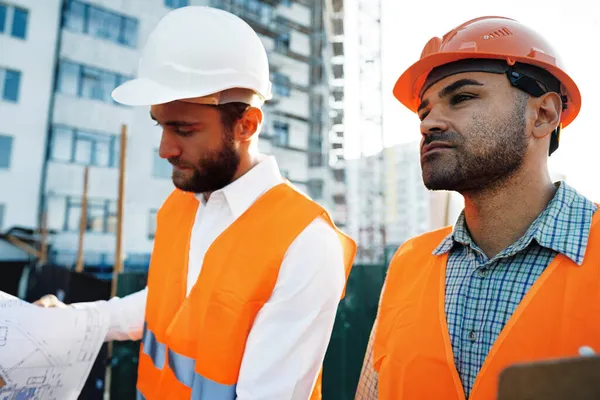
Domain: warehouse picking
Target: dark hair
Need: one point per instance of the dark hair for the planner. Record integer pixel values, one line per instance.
(231, 113)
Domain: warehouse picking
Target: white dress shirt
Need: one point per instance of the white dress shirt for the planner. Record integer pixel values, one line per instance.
(287, 343)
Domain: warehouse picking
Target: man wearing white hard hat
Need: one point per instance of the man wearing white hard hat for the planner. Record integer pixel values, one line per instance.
(246, 272)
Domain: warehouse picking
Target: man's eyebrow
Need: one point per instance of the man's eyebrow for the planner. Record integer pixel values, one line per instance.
(175, 123)
(423, 104)
(453, 87)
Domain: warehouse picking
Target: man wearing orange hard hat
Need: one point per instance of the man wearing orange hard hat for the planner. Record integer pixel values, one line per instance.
(518, 276)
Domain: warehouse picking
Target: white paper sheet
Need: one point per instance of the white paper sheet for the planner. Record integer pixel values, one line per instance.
(47, 353)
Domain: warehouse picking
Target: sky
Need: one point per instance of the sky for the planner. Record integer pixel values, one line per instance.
(571, 27)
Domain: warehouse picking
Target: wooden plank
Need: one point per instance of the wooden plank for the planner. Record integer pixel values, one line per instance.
(118, 264)
(82, 221)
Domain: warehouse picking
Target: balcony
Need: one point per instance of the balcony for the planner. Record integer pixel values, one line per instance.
(258, 14)
(282, 47)
(285, 22)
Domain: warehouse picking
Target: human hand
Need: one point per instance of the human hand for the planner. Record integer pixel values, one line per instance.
(50, 301)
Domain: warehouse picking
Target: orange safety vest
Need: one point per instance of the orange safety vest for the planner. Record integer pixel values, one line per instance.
(192, 346)
(412, 349)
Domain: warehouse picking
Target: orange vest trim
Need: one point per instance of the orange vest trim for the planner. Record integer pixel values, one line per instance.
(412, 349)
(193, 344)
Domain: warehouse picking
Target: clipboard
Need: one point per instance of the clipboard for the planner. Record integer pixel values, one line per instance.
(561, 379)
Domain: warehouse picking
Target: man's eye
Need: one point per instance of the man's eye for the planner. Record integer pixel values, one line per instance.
(424, 115)
(459, 98)
(183, 133)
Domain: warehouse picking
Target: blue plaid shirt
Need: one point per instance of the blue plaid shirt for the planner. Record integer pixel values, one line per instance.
(482, 293)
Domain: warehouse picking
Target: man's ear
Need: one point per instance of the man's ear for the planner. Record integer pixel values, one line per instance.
(249, 124)
(548, 108)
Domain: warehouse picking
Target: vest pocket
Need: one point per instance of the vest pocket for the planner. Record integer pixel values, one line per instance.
(223, 338)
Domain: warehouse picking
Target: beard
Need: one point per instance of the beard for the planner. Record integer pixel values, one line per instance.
(494, 151)
(212, 173)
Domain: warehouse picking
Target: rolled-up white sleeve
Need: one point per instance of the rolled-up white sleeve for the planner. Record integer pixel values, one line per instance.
(126, 321)
(287, 344)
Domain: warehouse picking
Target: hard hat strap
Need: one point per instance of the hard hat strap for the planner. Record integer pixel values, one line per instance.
(234, 95)
(532, 87)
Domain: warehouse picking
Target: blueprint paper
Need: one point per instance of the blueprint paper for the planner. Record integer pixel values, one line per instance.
(47, 353)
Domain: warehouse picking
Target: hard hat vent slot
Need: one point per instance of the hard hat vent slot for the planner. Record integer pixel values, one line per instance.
(504, 32)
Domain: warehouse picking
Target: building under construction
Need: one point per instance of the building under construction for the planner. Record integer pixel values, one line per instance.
(363, 105)
(57, 117)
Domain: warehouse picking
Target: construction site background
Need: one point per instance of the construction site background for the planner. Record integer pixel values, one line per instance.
(81, 180)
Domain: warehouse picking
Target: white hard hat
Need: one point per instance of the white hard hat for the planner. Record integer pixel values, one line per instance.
(201, 54)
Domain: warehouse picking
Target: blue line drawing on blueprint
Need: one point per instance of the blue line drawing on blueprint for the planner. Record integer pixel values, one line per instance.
(46, 354)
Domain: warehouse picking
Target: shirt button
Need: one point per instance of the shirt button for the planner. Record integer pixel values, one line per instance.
(472, 336)
(482, 273)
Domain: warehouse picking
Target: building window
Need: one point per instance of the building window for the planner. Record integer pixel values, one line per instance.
(2, 207)
(281, 84)
(282, 42)
(3, 14)
(281, 133)
(176, 3)
(68, 78)
(74, 18)
(101, 23)
(13, 20)
(101, 215)
(339, 175)
(97, 84)
(152, 224)
(10, 83)
(104, 25)
(83, 147)
(254, 10)
(19, 26)
(129, 32)
(315, 159)
(161, 168)
(88, 82)
(6, 143)
(315, 188)
(339, 199)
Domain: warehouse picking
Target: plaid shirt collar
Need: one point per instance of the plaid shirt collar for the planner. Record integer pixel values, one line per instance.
(564, 227)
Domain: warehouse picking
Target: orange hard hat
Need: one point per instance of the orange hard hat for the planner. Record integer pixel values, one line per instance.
(497, 38)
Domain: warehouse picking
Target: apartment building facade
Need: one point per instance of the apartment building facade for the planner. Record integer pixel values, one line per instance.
(60, 60)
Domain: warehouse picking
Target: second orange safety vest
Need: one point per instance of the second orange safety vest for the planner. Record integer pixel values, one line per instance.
(412, 348)
(193, 345)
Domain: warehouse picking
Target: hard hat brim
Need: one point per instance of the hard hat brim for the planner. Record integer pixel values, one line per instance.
(146, 92)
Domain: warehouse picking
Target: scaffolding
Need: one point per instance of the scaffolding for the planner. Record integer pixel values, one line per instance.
(334, 29)
(372, 233)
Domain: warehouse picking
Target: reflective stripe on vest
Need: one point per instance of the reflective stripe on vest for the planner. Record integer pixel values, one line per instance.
(155, 349)
(183, 369)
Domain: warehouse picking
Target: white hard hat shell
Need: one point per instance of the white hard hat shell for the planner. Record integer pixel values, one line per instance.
(195, 52)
